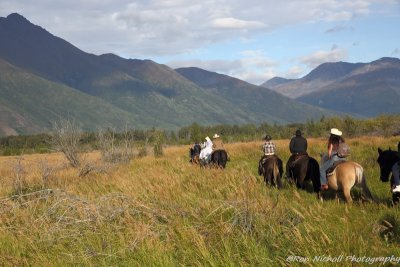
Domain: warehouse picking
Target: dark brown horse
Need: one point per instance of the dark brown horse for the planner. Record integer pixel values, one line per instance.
(272, 171)
(386, 160)
(218, 159)
(194, 153)
(303, 169)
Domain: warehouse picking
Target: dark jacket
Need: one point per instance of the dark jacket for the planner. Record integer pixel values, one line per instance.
(298, 144)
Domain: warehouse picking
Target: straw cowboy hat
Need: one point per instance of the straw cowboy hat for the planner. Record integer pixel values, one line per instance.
(216, 136)
(335, 131)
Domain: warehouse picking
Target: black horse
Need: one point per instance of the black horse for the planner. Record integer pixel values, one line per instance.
(272, 170)
(194, 153)
(219, 158)
(303, 169)
(386, 160)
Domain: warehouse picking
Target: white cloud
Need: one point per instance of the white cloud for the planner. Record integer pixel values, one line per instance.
(319, 57)
(232, 23)
(165, 27)
(252, 66)
(157, 28)
(294, 72)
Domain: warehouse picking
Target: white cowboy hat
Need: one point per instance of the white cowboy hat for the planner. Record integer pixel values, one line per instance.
(336, 132)
(215, 136)
(208, 138)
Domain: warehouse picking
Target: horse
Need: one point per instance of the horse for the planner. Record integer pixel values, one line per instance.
(303, 169)
(272, 171)
(345, 176)
(218, 158)
(386, 160)
(194, 153)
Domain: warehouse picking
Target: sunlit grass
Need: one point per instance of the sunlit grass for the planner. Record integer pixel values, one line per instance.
(167, 212)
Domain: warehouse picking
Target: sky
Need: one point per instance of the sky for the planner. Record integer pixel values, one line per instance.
(253, 40)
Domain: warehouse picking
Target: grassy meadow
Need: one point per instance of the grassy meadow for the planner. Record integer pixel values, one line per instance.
(166, 212)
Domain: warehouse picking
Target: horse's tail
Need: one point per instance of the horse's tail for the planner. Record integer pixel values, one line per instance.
(362, 181)
(359, 174)
(314, 174)
(276, 172)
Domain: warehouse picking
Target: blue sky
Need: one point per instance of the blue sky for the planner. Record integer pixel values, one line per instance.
(253, 40)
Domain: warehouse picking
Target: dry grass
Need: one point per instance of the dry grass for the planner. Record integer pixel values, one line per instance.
(166, 212)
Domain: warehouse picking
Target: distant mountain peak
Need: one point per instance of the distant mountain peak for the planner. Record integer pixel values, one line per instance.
(275, 81)
(392, 60)
(331, 70)
(16, 16)
(15, 19)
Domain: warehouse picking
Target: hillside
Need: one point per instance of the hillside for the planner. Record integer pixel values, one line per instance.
(369, 90)
(151, 94)
(323, 75)
(264, 103)
(29, 104)
(361, 89)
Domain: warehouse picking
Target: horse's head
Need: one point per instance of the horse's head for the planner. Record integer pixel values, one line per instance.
(386, 160)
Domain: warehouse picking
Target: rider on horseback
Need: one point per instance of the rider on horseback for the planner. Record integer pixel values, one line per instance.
(335, 139)
(298, 148)
(269, 149)
(205, 153)
(194, 151)
(217, 143)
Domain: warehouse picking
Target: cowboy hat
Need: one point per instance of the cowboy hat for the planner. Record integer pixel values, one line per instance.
(267, 138)
(335, 131)
(215, 136)
(208, 138)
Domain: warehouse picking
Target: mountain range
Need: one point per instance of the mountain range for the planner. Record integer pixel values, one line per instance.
(44, 78)
(364, 89)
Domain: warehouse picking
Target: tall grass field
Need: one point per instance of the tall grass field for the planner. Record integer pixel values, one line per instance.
(166, 212)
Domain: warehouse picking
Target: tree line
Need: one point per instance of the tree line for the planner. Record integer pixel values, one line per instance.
(384, 125)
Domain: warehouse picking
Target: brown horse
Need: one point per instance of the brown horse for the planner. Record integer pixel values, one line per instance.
(302, 169)
(272, 170)
(345, 176)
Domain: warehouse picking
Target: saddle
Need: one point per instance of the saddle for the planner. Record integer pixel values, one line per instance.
(331, 170)
(265, 158)
(297, 157)
(262, 161)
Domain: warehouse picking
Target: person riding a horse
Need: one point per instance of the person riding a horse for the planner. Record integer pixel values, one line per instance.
(298, 149)
(335, 139)
(205, 153)
(194, 151)
(217, 143)
(268, 149)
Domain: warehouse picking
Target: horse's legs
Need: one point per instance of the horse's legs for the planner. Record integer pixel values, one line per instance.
(279, 181)
(347, 196)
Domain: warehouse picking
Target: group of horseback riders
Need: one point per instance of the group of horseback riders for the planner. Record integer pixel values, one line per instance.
(204, 151)
(337, 151)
